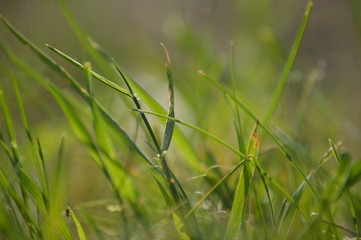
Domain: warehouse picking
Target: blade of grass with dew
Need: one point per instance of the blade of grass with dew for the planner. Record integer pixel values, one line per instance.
(282, 83)
(78, 226)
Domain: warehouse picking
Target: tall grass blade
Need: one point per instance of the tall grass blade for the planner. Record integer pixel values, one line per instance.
(243, 187)
(168, 132)
(39, 163)
(282, 83)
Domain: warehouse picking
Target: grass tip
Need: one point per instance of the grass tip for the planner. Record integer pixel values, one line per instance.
(166, 53)
(201, 73)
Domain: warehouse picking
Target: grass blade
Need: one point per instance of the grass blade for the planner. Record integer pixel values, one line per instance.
(282, 83)
(168, 132)
(79, 227)
(223, 179)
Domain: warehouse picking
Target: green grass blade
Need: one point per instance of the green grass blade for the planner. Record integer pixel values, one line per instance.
(94, 74)
(345, 166)
(20, 204)
(238, 124)
(9, 227)
(234, 221)
(65, 231)
(39, 163)
(79, 227)
(10, 129)
(137, 104)
(168, 132)
(282, 83)
(355, 174)
(33, 190)
(243, 187)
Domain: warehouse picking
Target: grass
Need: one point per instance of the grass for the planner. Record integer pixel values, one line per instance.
(250, 179)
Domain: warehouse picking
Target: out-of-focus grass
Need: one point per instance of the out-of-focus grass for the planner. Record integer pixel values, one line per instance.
(251, 162)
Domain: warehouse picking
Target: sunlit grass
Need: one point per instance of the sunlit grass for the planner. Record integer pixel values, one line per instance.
(248, 179)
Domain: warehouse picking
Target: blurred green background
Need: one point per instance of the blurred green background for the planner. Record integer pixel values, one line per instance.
(198, 35)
